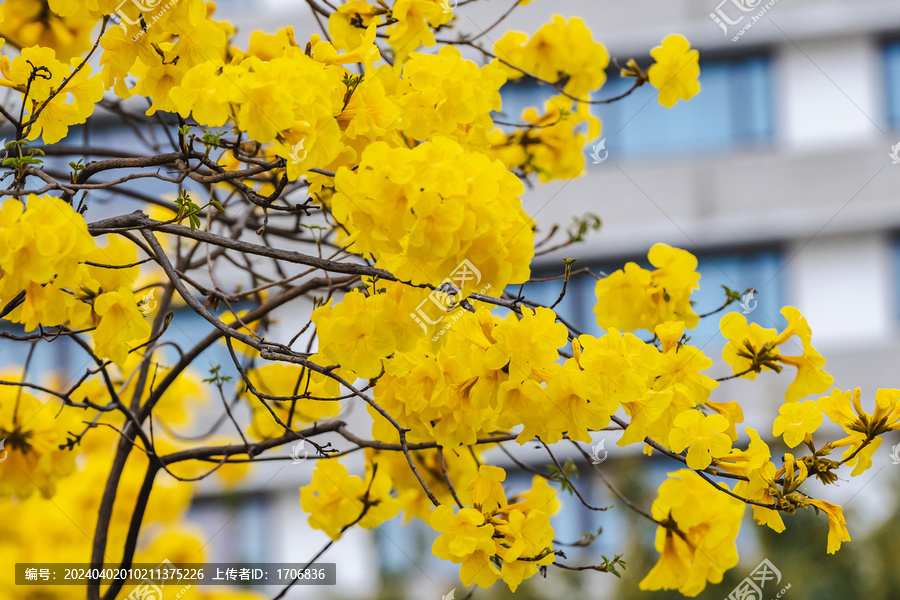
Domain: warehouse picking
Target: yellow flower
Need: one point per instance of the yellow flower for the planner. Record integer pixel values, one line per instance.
(528, 343)
(118, 251)
(442, 204)
(562, 407)
(415, 18)
(709, 522)
(752, 349)
(678, 374)
(335, 499)
(120, 323)
(344, 33)
(40, 66)
(845, 409)
(29, 22)
(444, 94)
(671, 570)
(42, 247)
(702, 435)
(837, 525)
(635, 298)
(742, 462)
(519, 535)
(157, 78)
(487, 489)
(675, 71)
(350, 335)
(731, 411)
(797, 420)
(525, 537)
(558, 51)
(31, 434)
(201, 92)
(467, 539)
(552, 145)
(461, 470)
(366, 53)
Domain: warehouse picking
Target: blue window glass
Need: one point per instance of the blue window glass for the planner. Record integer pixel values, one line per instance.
(237, 516)
(733, 109)
(759, 269)
(186, 330)
(896, 265)
(892, 81)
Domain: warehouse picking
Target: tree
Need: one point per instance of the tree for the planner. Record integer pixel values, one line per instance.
(361, 183)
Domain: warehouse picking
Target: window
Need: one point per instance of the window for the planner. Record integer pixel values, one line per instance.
(892, 81)
(237, 516)
(896, 272)
(733, 109)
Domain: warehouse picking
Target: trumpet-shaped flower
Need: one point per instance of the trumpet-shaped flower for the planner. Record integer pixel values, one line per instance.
(702, 435)
(752, 349)
(797, 420)
(676, 70)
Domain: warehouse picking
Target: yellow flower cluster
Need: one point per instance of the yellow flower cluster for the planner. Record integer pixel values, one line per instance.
(38, 72)
(460, 392)
(72, 509)
(518, 533)
(362, 329)
(558, 51)
(414, 22)
(461, 468)
(335, 499)
(32, 433)
(44, 248)
(551, 144)
(696, 540)
(63, 27)
(635, 298)
(448, 96)
(492, 373)
(422, 211)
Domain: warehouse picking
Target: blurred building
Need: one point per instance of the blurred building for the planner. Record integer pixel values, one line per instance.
(778, 176)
